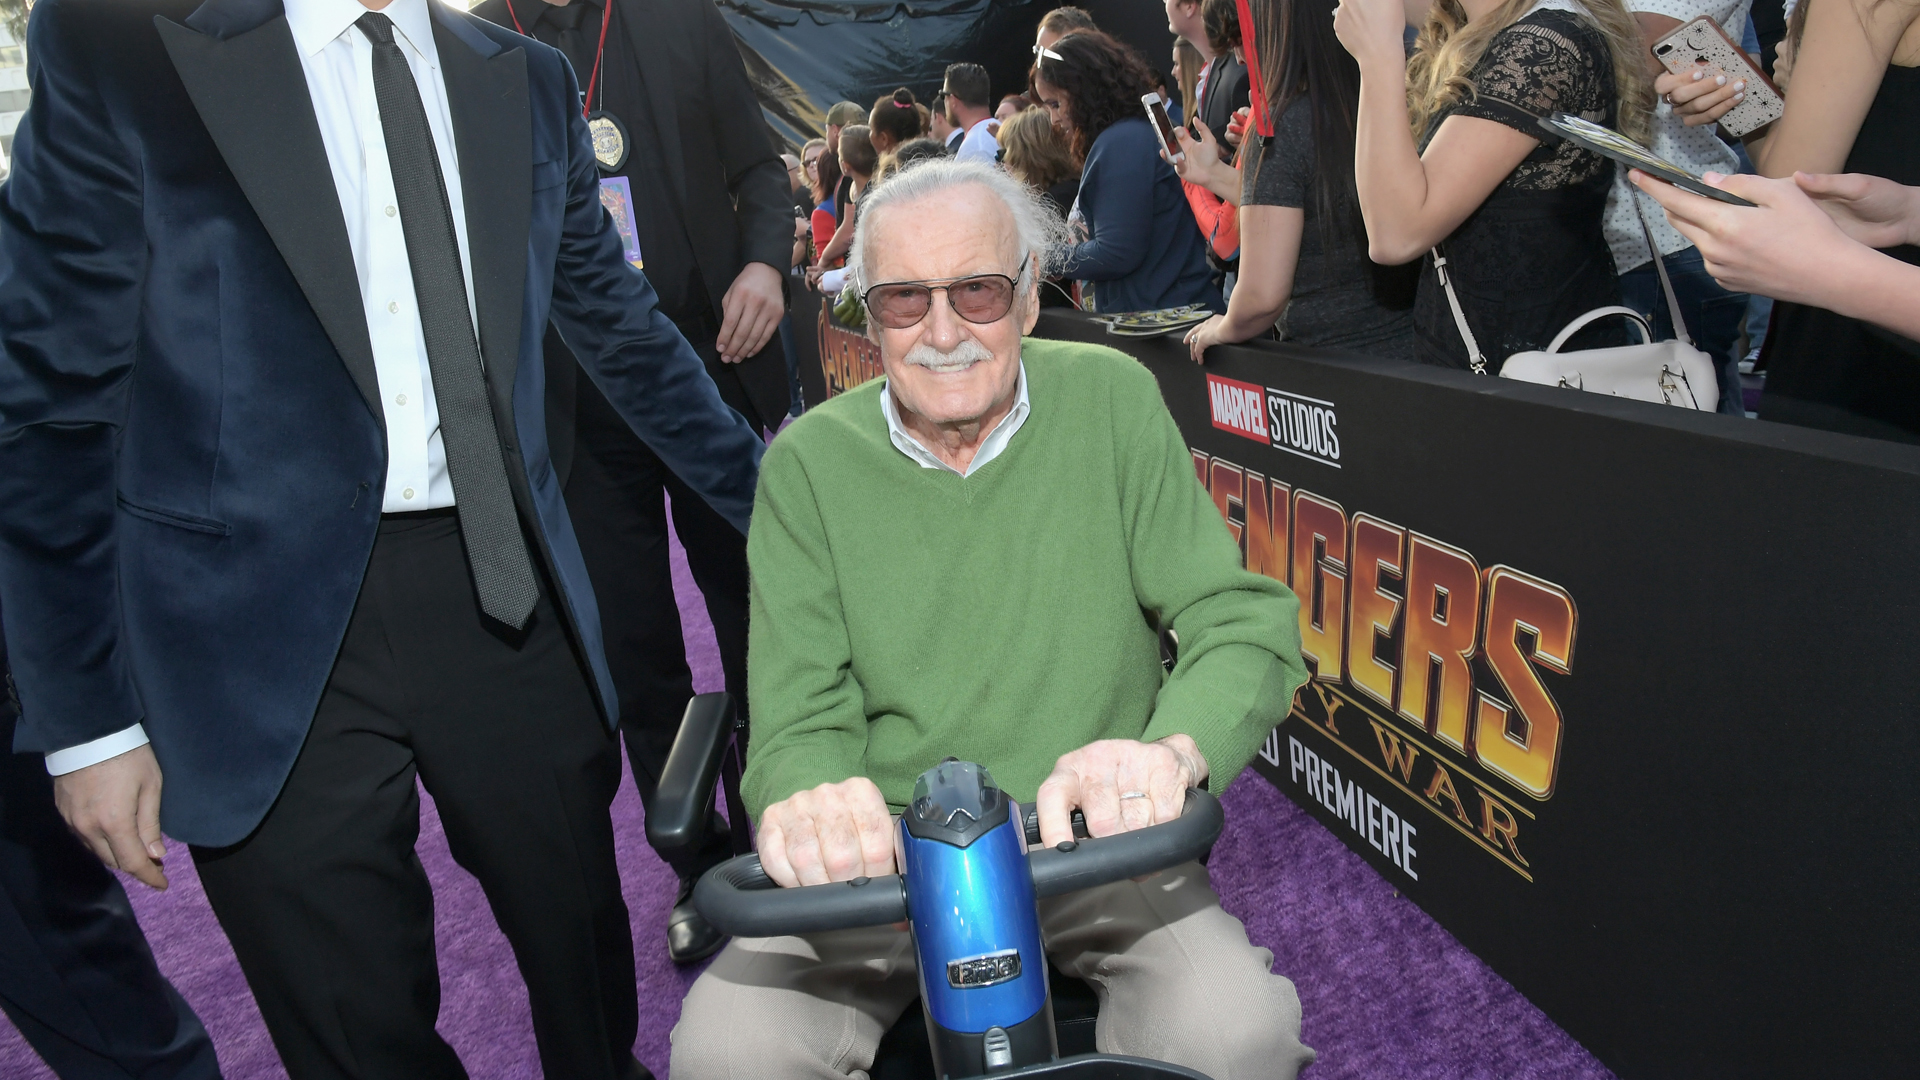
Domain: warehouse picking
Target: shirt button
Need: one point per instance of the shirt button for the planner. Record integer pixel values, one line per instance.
(391, 211)
(406, 493)
(393, 306)
(399, 399)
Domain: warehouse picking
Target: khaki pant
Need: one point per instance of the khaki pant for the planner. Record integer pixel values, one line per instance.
(1177, 979)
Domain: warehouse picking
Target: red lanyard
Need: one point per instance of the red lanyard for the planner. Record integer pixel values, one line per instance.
(606, 20)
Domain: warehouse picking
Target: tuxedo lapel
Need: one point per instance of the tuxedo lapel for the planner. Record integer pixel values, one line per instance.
(245, 80)
(493, 135)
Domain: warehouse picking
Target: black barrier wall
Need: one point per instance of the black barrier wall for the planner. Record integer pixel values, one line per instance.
(1624, 696)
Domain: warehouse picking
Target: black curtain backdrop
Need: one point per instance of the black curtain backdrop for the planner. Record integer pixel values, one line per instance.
(803, 57)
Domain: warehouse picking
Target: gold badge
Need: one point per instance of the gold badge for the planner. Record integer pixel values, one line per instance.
(609, 140)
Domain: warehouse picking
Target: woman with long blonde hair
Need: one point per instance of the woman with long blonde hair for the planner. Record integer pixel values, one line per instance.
(1449, 157)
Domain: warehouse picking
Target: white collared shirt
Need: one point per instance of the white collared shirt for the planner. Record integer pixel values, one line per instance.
(980, 144)
(990, 447)
(338, 62)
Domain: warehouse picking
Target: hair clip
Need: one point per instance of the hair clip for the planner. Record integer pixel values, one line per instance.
(1044, 51)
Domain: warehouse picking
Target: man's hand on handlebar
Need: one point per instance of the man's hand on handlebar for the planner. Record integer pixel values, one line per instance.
(835, 832)
(1120, 785)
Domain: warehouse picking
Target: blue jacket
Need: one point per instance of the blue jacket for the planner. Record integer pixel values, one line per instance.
(1144, 251)
(192, 450)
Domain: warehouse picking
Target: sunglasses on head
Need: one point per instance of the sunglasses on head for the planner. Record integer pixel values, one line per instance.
(980, 299)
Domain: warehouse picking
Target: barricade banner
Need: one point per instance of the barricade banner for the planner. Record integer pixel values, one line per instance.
(1623, 695)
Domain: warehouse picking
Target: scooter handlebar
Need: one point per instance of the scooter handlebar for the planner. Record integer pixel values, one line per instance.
(1082, 864)
(739, 899)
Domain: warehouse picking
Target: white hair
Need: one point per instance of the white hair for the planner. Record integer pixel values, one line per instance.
(1039, 228)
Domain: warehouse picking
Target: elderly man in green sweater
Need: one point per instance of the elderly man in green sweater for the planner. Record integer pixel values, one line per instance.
(968, 559)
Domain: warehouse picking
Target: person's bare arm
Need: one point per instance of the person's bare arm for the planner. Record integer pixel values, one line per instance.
(114, 808)
(1786, 247)
(1410, 200)
(1269, 254)
(1836, 74)
(842, 239)
(1872, 209)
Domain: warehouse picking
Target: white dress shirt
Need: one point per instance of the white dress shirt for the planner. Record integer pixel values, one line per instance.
(338, 62)
(980, 144)
(991, 447)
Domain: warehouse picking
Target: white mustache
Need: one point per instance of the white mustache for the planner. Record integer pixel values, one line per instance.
(964, 355)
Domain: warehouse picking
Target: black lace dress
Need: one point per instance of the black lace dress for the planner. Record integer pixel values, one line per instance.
(1532, 258)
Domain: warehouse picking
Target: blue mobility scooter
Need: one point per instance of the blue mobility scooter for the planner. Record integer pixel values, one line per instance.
(968, 889)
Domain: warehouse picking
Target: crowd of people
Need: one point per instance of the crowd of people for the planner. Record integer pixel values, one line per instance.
(1394, 142)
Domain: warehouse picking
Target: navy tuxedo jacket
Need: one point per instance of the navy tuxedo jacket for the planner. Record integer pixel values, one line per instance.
(192, 450)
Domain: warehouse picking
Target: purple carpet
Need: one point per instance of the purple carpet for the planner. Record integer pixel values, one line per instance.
(1386, 991)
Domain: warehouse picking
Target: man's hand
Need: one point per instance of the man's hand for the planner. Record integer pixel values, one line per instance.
(114, 808)
(1095, 777)
(1873, 210)
(750, 312)
(835, 832)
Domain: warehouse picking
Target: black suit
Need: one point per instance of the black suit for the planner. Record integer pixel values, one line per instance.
(189, 390)
(76, 975)
(1227, 91)
(712, 196)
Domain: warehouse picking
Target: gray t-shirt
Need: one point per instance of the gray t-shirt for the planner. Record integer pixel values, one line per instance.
(1333, 301)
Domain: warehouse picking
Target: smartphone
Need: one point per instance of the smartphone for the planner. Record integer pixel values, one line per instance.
(1163, 126)
(1609, 143)
(1703, 45)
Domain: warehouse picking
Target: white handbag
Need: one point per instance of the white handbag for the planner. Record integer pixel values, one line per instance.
(1662, 372)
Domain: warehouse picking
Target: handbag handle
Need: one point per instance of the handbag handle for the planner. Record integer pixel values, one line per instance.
(1475, 360)
(1478, 362)
(1660, 266)
(1579, 324)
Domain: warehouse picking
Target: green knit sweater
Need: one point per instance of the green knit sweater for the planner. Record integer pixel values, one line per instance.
(902, 614)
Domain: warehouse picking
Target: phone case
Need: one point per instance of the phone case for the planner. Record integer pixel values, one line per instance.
(1162, 125)
(1702, 43)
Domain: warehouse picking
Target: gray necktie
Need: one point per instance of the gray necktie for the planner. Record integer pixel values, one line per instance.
(496, 552)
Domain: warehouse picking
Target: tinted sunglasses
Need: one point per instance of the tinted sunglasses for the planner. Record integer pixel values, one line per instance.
(980, 299)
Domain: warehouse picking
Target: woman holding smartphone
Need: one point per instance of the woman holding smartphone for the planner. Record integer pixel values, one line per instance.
(1854, 107)
(1449, 156)
(1304, 268)
(1138, 247)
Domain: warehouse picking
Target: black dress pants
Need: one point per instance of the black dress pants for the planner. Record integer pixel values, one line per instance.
(327, 905)
(76, 975)
(614, 498)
